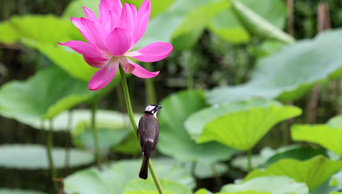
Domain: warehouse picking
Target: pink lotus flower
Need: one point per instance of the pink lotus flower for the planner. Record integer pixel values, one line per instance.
(110, 38)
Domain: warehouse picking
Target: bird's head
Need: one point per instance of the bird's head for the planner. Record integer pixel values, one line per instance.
(152, 109)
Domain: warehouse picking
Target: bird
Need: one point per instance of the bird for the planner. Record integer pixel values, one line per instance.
(148, 131)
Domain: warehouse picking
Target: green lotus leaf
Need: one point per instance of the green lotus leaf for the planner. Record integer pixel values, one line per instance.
(27, 30)
(226, 25)
(25, 156)
(114, 179)
(313, 172)
(256, 25)
(197, 121)
(243, 129)
(149, 187)
(203, 191)
(241, 162)
(244, 192)
(176, 109)
(328, 137)
(335, 122)
(43, 96)
(19, 191)
(272, 184)
(293, 151)
(291, 71)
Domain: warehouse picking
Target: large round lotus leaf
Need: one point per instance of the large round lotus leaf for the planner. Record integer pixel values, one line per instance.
(313, 172)
(18, 191)
(197, 121)
(25, 156)
(296, 66)
(43, 96)
(243, 129)
(328, 137)
(272, 184)
(113, 180)
(148, 187)
(174, 140)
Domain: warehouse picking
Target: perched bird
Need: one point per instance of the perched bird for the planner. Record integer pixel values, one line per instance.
(148, 131)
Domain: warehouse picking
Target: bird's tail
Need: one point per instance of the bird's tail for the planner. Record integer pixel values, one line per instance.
(144, 168)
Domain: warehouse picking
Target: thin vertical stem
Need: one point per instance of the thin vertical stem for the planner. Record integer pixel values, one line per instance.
(249, 160)
(95, 136)
(149, 88)
(49, 146)
(67, 146)
(290, 18)
(237, 62)
(216, 175)
(135, 127)
(191, 69)
(193, 169)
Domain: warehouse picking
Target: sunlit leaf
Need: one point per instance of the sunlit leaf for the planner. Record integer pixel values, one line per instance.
(43, 96)
(294, 67)
(189, 32)
(328, 137)
(149, 187)
(197, 121)
(32, 157)
(272, 184)
(65, 58)
(27, 30)
(313, 172)
(29, 27)
(113, 180)
(293, 151)
(335, 122)
(203, 191)
(243, 129)
(176, 109)
(228, 27)
(256, 25)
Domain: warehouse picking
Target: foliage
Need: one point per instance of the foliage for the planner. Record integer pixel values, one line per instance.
(248, 88)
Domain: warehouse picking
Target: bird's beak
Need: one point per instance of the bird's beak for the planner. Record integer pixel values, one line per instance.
(159, 107)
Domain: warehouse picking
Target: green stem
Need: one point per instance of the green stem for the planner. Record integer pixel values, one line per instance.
(67, 146)
(190, 77)
(135, 127)
(49, 152)
(149, 88)
(95, 136)
(249, 159)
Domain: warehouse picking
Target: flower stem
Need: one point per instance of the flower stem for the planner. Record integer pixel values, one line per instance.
(249, 160)
(149, 88)
(49, 152)
(135, 127)
(95, 136)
